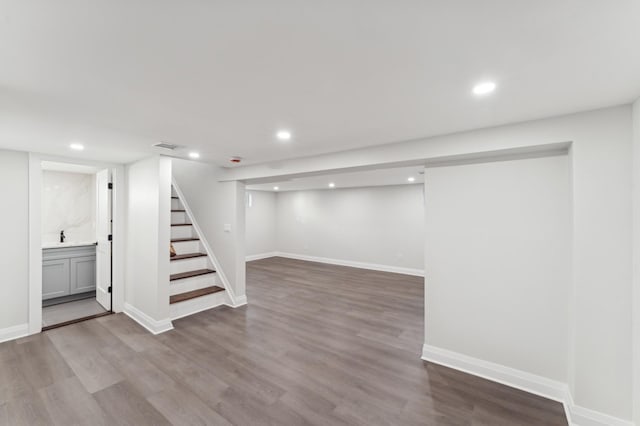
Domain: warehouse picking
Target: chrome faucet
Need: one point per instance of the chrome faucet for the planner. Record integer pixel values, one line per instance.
(62, 236)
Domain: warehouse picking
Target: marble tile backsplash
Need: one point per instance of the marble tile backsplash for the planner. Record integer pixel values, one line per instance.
(69, 204)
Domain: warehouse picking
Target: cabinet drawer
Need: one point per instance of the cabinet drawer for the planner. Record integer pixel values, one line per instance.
(83, 274)
(68, 252)
(55, 278)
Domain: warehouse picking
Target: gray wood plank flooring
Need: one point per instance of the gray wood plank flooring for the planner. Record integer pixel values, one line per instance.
(318, 344)
(63, 312)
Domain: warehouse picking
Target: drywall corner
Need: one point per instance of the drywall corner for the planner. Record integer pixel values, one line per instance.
(261, 236)
(636, 261)
(148, 239)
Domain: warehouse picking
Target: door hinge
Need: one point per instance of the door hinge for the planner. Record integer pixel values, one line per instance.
(110, 185)
(109, 289)
(110, 237)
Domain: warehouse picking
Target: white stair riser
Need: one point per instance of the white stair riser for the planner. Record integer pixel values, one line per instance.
(182, 232)
(186, 265)
(188, 307)
(179, 217)
(193, 283)
(176, 204)
(185, 247)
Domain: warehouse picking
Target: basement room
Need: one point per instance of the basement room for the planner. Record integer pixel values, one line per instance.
(320, 213)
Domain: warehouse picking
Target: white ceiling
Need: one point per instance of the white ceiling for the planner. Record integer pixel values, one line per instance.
(380, 177)
(221, 77)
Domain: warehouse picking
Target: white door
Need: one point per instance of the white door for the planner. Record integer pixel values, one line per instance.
(103, 232)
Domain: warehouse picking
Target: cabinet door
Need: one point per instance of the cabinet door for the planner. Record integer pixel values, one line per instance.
(83, 274)
(55, 278)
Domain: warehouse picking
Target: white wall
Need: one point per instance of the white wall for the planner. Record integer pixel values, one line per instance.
(636, 259)
(380, 225)
(260, 223)
(498, 262)
(599, 367)
(14, 252)
(69, 204)
(148, 239)
(600, 360)
(213, 205)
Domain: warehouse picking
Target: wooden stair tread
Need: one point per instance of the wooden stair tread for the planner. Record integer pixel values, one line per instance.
(182, 224)
(196, 273)
(175, 198)
(178, 211)
(187, 256)
(180, 240)
(176, 298)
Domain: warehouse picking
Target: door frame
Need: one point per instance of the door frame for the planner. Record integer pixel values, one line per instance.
(35, 233)
(104, 247)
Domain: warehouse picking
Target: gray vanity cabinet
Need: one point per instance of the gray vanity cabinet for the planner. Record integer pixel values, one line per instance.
(68, 270)
(55, 278)
(83, 274)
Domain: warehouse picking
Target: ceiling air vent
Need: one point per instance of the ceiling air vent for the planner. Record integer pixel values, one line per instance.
(166, 145)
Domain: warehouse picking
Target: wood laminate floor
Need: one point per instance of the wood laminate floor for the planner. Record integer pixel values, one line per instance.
(56, 314)
(318, 344)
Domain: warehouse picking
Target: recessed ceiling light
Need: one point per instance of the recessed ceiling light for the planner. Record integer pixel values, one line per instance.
(194, 155)
(275, 188)
(284, 135)
(411, 179)
(332, 185)
(76, 146)
(484, 88)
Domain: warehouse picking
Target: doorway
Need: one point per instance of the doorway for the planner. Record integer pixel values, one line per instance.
(76, 236)
(371, 219)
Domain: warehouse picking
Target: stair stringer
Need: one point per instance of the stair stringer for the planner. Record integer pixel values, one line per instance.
(230, 297)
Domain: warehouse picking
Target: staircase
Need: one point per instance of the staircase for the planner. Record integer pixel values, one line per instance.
(194, 285)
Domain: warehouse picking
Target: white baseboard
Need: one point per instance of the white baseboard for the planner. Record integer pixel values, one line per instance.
(15, 332)
(532, 383)
(239, 301)
(497, 373)
(155, 327)
(341, 262)
(261, 256)
(586, 417)
(354, 264)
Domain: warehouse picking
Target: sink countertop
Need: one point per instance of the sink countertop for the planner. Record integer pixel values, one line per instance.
(68, 244)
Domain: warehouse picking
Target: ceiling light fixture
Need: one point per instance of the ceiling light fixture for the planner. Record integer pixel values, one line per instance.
(76, 146)
(275, 188)
(194, 155)
(332, 185)
(284, 135)
(484, 88)
(411, 179)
